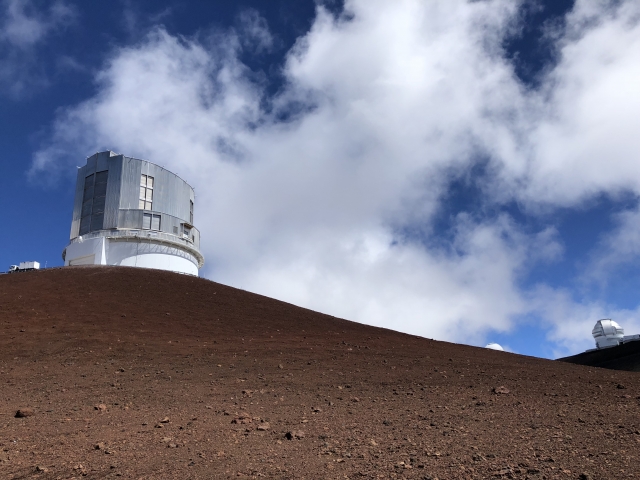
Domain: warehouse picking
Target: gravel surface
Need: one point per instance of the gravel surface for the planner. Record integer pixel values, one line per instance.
(119, 372)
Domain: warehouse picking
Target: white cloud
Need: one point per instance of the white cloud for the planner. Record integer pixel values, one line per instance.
(254, 31)
(22, 29)
(582, 131)
(617, 248)
(384, 107)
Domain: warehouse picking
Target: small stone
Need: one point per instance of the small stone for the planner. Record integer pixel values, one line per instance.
(100, 407)
(99, 446)
(242, 419)
(263, 427)
(501, 390)
(280, 366)
(42, 469)
(317, 410)
(620, 386)
(165, 420)
(172, 445)
(25, 412)
(297, 434)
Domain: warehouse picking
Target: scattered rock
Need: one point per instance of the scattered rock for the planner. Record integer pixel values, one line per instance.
(242, 419)
(263, 427)
(165, 420)
(25, 412)
(99, 446)
(297, 434)
(280, 366)
(620, 386)
(316, 409)
(501, 390)
(41, 469)
(100, 407)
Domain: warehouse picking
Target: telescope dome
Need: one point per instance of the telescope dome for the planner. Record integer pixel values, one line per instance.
(494, 346)
(607, 333)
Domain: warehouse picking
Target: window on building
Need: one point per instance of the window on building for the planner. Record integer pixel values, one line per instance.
(146, 192)
(191, 212)
(150, 221)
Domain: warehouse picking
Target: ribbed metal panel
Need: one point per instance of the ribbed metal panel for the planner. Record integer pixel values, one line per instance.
(112, 202)
(130, 219)
(92, 162)
(103, 161)
(130, 185)
(77, 204)
(171, 194)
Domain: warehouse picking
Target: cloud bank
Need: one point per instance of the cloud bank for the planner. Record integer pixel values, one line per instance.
(327, 194)
(23, 29)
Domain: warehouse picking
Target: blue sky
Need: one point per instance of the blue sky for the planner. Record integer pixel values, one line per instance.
(466, 171)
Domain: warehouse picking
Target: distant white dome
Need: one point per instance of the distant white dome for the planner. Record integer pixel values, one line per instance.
(607, 333)
(494, 346)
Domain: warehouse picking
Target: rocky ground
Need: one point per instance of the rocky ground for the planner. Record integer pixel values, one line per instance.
(133, 373)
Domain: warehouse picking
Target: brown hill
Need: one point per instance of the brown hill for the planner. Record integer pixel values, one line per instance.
(136, 373)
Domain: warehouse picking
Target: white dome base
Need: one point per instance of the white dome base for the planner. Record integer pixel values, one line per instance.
(131, 252)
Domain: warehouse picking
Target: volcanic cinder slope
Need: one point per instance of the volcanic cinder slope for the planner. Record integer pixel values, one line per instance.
(137, 373)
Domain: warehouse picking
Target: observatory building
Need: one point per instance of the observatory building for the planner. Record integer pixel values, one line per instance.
(613, 350)
(608, 333)
(133, 213)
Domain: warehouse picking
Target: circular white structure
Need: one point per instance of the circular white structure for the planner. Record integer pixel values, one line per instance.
(494, 346)
(607, 333)
(135, 213)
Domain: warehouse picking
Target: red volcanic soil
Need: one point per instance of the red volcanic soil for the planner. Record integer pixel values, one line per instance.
(144, 374)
